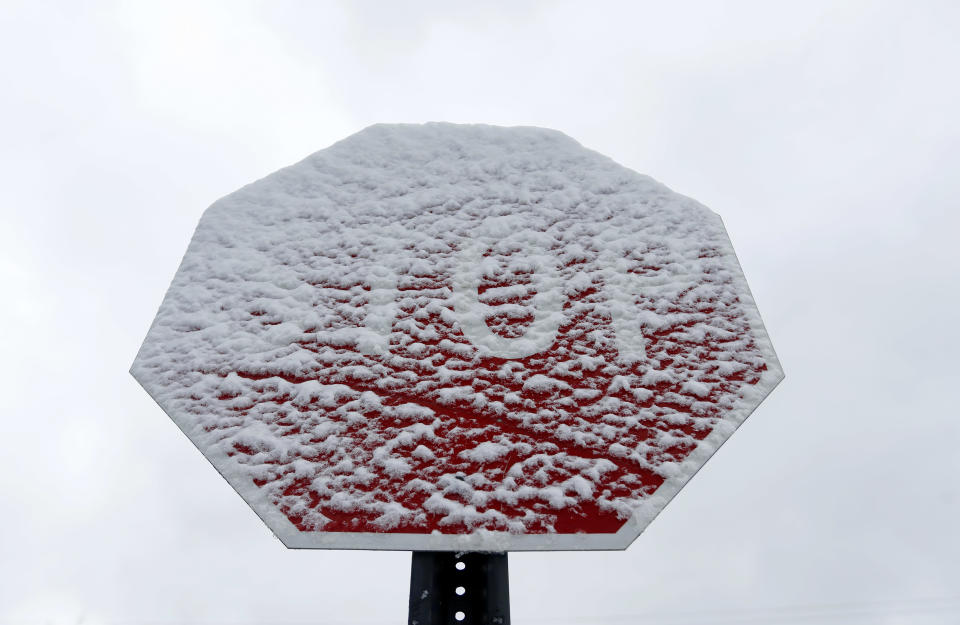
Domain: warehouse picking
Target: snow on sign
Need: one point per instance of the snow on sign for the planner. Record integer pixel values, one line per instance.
(449, 337)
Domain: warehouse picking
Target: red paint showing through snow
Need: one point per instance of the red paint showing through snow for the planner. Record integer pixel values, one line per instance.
(547, 430)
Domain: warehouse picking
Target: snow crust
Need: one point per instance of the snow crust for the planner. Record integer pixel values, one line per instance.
(489, 337)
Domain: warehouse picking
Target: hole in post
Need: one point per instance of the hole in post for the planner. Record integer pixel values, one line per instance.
(459, 616)
(460, 566)
(460, 590)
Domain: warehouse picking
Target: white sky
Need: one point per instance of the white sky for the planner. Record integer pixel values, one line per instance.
(825, 134)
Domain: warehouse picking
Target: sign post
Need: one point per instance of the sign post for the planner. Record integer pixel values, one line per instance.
(448, 587)
(458, 341)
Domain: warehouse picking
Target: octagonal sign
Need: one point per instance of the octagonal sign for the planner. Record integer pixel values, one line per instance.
(449, 337)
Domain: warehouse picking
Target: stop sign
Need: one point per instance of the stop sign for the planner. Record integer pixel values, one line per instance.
(458, 338)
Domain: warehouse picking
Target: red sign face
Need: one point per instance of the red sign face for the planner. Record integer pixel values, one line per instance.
(456, 337)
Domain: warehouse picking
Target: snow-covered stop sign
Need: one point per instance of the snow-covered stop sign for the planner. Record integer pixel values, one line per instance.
(458, 338)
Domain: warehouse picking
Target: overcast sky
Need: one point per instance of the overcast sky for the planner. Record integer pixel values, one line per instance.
(825, 135)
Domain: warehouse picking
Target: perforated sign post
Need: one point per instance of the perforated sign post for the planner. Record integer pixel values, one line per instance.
(458, 340)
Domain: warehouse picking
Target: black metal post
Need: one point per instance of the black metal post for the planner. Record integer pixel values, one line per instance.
(459, 589)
